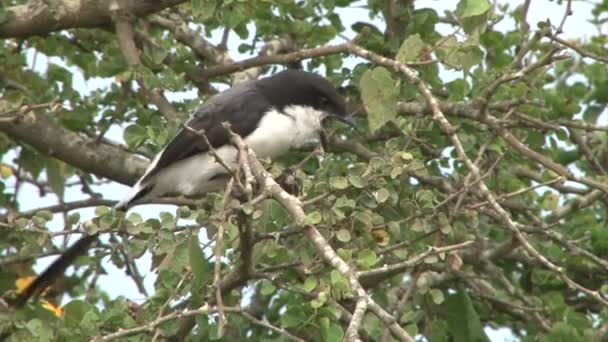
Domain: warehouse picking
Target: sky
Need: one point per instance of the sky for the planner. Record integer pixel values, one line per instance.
(576, 26)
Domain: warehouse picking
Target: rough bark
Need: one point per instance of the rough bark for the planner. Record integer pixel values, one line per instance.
(98, 158)
(39, 17)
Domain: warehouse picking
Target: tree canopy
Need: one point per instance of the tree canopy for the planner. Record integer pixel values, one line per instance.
(473, 196)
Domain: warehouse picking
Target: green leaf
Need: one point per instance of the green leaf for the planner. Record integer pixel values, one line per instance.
(335, 277)
(309, 284)
(419, 225)
(410, 49)
(184, 212)
(102, 211)
(356, 181)
(458, 89)
(3, 15)
(367, 258)
(463, 321)
(471, 8)
(343, 235)
(437, 296)
(267, 287)
(90, 322)
(73, 218)
(412, 329)
(200, 268)
(459, 56)
(293, 317)
(5, 171)
(382, 195)
(379, 93)
(313, 218)
(562, 332)
(550, 201)
(74, 312)
(345, 254)
(42, 330)
(339, 183)
(134, 135)
(411, 316)
(196, 6)
(438, 331)
(206, 10)
(56, 176)
(319, 301)
(330, 331)
(135, 218)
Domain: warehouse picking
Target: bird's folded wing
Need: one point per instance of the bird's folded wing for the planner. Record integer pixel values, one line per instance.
(242, 107)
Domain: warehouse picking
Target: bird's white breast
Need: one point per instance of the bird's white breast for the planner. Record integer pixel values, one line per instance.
(276, 134)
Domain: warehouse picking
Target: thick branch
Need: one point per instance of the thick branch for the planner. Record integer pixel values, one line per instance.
(97, 158)
(39, 17)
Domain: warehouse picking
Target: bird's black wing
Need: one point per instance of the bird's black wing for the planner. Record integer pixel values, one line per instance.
(242, 106)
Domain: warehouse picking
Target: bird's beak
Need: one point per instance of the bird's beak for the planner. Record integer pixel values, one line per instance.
(347, 119)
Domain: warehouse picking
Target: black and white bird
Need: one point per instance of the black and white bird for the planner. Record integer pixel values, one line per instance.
(273, 115)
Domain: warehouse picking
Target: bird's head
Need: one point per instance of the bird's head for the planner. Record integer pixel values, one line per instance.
(296, 87)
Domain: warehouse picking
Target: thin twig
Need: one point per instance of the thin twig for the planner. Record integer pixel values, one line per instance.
(217, 272)
(517, 192)
(181, 282)
(211, 150)
(401, 266)
(149, 327)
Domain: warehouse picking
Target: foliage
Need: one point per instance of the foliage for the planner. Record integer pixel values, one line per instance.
(444, 250)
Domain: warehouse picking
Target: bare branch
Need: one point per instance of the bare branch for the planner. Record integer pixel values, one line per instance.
(62, 207)
(149, 327)
(580, 50)
(390, 270)
(228, 68)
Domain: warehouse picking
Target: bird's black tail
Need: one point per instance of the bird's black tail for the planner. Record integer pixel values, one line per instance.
(56, 269)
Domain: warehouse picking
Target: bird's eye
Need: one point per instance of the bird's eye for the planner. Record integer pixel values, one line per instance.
(324, 101)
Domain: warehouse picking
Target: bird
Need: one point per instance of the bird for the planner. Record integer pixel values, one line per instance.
(273, 115)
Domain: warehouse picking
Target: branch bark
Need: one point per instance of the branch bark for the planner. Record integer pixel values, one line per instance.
(40, 17)
(100, 159)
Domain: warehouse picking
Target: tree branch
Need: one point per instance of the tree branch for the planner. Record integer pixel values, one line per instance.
(100, 159)
(43, 17)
